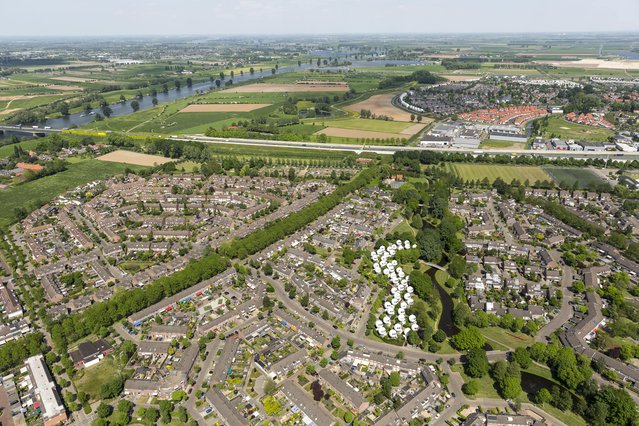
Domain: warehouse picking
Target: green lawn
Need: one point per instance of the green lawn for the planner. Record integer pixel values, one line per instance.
(561, 128)
(486, 384)
(506, 338)
(7, 150)
(32, 194)
(404, 227)
(584, 178)
(94, 377)
(469, 171)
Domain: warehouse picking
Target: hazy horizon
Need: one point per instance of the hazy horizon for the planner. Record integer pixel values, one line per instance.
(67, 18)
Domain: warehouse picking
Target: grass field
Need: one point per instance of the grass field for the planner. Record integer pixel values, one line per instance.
(40, 191)
(585, 178)
(467, 171)
(512, 340)
(94, 377)
(561, 128)
(7, 150)
(404, 227)
(486, 383)
(494, 143)
(370, 125)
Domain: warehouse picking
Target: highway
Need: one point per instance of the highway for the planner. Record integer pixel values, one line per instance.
(382, 149)
(375, 149)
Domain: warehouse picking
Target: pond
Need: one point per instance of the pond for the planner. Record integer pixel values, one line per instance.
(531, 383)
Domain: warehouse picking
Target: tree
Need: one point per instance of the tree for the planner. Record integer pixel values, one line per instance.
(620, 410)
(542, 396)
(471, 387)
(64, 108)
(182, 415)
(522, 357)
(457, 266)
(166, 407)
(189, 82)
(151, 415)
(104, 410)
(394, 379)
(154, 101)
(267, 269)
(125, 406)
(305, 300)
(269, 387)
(439, 336)
(477, 363)
(107, 111)
(348, 417)
(468, 338)
(135, 105)
(336, 342)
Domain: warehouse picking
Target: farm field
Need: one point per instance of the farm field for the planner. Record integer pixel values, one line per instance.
(381, 105)
(370, 125)
(136, 158)
(285, 88)
(223, 107)
(359, 134)
(355, 129)
(568, 176)
(467, 171)
(32, 194)
(563, 129)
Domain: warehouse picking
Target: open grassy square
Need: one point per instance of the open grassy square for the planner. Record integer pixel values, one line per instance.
(563, 129)
(94, 377)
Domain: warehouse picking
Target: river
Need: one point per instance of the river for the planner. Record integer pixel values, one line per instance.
(146, 102)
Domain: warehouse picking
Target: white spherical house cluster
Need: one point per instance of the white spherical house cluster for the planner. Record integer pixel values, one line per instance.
(394, 322)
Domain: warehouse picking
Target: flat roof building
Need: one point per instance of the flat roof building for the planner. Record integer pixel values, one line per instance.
(44, 388)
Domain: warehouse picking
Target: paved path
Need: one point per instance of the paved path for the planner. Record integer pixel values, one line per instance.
(211, 348)
(411, 353)
(565, 312)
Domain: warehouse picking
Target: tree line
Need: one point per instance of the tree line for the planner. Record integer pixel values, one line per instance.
(277, 230)
(124, 303)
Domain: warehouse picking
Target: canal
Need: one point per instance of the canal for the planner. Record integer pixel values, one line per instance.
(446, 323)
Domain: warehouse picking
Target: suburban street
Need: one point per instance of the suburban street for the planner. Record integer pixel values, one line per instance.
(565, 312)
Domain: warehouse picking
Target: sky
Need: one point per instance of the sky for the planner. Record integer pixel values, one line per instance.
(217, 17)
